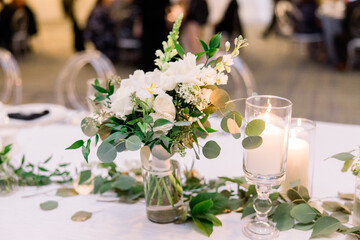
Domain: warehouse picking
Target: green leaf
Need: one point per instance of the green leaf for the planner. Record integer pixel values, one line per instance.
(252, 142)
(247, 211)
(66, 192)
(333, 206)
(86, 150)
(303, 213)
(106, 152)
(84, 176)
(124, 182)
(76, 145)
(98, 182)
(282, 217)
(81, 216)
(204, 45)
(161, 121)
(347, 165)
(220, 202)
(211, 150)
(235, 116)
(116, 136)
(304, 227)
(148, 119)
(99, 89)
(49, 205)
(204, 225)
(343, 156)
(255, 127)
(105, 187)
(202, 207)
(352, 230)
(212, 218)
(133, 143)
(235, 204)
(43, 169)
(324, 226)
(215, 41)
(179, 49)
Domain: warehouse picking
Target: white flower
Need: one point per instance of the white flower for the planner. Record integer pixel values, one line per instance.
(121, 103)
(144, 95)
(225, 64)
(157, 82)
(208, 76)
(206, 94)
(185, 70)
(164, 106)
(136, 80)
(221, 79)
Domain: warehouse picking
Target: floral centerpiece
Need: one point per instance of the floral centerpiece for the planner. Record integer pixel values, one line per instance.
(166, 111)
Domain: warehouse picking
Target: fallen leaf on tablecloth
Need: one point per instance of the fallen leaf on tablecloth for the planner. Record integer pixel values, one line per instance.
(81, 216)
(49, 205)
(66, 192)
(346, 196)
(335, 206)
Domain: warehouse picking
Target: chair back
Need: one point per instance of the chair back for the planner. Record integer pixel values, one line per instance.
(66, 92)
(354, 24)
(284, 16)
(13, 82)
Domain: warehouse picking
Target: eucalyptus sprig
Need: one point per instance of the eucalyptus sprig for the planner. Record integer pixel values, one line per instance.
(4, 154)
(351, 160)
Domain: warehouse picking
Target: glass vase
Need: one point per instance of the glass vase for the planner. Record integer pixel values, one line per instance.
(163, 191)
(8, 179)
(356, 213)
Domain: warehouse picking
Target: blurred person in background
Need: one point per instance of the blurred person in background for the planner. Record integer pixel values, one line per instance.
(100, 29)
(306, 20)
(196, 14)
(154, 30)
(230, 25)
(18, 22)
(68, 6)
(272, 25)
(341, 41)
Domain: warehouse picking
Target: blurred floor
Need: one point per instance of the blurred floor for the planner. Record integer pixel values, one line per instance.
(280, 68)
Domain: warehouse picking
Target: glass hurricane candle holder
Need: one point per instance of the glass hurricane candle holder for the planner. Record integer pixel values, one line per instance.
(265, 165)
(301, 154)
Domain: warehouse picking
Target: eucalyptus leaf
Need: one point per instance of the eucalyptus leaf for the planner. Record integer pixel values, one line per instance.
(252, 142)
(343, 156)
(347, 164)
(346, 196)
(106, 152)
(211, 150)
(161, 121)
(104, 131)
(49, 205)
(219, 98)
(303, 213)
(341, 216)
(160, 152)
(77, 144)
(66, 192)
(98, 182)
(133, 143)
(204, 225)
(333, 206)
(255, 127)
(84, 176)
(282, 217)
(81, 216)
(304, 227)
(116, 136)
(89, 127)
(123, 182)
(325, 226)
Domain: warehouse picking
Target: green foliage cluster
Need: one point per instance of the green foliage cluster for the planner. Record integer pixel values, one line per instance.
(350, 160)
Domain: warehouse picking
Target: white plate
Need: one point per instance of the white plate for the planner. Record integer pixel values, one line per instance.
(57, 113)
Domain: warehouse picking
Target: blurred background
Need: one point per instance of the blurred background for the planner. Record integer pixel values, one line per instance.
(304, 50)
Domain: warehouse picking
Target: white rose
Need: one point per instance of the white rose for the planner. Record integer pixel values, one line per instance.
(164, 106)
(121, 103)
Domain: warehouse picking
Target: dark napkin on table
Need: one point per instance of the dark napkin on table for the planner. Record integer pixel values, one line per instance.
(28, 117)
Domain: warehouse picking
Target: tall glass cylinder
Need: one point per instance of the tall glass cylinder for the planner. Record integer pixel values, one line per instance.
(265, 165)
(301, 154)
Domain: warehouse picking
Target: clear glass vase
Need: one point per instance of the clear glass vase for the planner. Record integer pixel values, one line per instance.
(163, 191)
(8, 179)
(356, 213)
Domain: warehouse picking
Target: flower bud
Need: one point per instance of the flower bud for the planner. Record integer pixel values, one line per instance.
(227, 46)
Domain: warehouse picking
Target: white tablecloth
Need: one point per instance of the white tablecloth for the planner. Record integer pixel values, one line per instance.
(22, 218)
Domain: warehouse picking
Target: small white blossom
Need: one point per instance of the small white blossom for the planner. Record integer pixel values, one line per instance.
(227, 46)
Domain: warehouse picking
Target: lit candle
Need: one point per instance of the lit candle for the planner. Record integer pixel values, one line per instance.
(297, 165)
(268, 158)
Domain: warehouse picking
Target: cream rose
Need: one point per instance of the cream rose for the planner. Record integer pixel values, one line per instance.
(164, 106)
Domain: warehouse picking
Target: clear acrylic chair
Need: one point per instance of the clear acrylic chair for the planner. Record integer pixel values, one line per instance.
(66, 91)
(12, 90)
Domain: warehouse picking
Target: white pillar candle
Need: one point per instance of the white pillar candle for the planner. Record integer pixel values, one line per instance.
(297, 165)
(268, 158)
